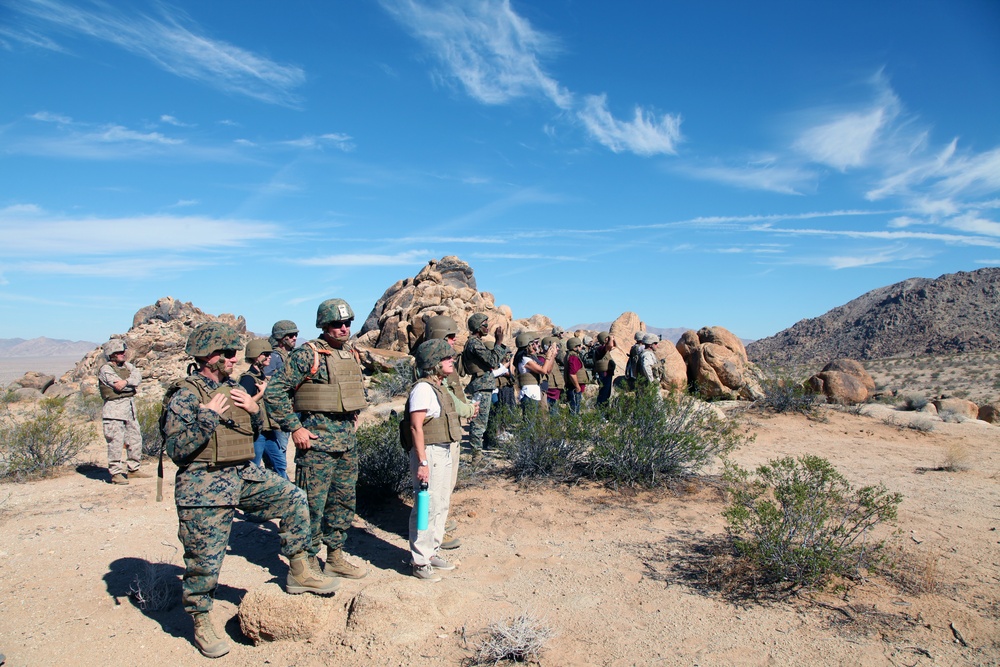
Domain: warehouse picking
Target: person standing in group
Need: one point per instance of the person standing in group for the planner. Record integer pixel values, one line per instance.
(317, 397)
(208, 433)
(604, 366)
(434, 428)
(254, 383)
(649, 366)
(632, 366)
(480, 361)
(531, 369)
(442, 327)
(284, 335)
(553, 384)
(576, 374)
(117, 381)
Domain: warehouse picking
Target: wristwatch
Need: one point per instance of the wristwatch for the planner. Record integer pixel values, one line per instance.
(423, 464)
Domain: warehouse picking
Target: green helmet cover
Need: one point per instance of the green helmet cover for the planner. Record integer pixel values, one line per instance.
(476, 321)
(603, 337)
(333, 310)
(441, 326)
(432, 352)
(114, 345)
(211, 336)
(283, 328)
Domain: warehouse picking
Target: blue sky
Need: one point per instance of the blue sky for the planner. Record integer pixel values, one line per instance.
(700, 163)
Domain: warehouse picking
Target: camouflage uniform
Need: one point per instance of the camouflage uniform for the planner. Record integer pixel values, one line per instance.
(481, 386)
(118, 417)
(328, 470)
(207, 497)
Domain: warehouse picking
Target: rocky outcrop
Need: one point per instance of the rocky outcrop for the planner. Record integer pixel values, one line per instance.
(35, 380)
(445, 287)
(267, 614)
(843, 381)
(990, 412)
(717, 365)
(957, 312)
(156, 345)
(957, 406)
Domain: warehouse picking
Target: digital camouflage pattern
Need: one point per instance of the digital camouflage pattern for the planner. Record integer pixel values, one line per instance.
(211, 336)
(208, 496)
(333, 310)
(329, 480)
(477, 352)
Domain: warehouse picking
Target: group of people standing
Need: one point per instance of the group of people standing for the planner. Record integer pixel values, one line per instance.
(220, 432)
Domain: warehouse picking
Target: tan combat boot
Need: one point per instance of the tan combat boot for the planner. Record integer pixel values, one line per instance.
(302, 579)
(119, 478)
(337, 565)
(206, 638)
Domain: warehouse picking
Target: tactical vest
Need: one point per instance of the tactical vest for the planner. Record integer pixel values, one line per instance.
(232, 441)
(632, 367)
(445, 429)
(470, 363)
(267, 424)
(602, 361)
(582, 375)
(528, 377)
(342, 391)
(109, 393)
(557, 378)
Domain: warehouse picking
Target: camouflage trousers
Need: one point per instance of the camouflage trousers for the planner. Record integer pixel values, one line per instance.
(123, 434)
(329, 480)
(477, 425)
(204, 533)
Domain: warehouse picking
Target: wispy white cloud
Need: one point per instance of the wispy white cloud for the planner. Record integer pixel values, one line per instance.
(768, 176)
(455, 239)
(49, 117)
(124, 267)
(36, 231)
(496, 56)
(180, 203)
(528, 256)
(340, 141)
(171, 40)
(409, 258)
(645, 134)
(170, 120)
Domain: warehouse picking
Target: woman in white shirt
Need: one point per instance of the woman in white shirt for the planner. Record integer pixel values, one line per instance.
(531, 368)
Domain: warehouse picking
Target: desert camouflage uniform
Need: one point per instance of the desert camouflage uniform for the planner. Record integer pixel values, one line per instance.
(118, 418)
(207, 497)
(481, 387)
(328, 470)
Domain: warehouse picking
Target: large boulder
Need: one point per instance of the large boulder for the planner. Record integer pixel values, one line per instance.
(267, 614)
(717, 365)
(35, 380)
(155, 345)
(445, 287)
(838, 387)
(852, 367)
(674, 376)
(990, 412)
(956, 406)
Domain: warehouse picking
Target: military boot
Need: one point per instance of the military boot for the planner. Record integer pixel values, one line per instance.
(206, 638)
(337, 565)
(302, 579)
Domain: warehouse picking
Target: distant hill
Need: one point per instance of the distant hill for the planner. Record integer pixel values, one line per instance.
(672, 334)
(957, 312)
(14, 348)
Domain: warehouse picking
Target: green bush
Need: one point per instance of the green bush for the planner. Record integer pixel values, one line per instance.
(643, 440)
(91, 407)
(386, 385)
(504, 419)
(544, 446)
(782, 394)
(798, 522)
(38, 444)
(147, 413)
(383, 466)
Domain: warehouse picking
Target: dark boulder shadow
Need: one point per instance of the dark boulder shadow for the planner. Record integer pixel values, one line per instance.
(390, 515)
(94, 472)
(260, 543)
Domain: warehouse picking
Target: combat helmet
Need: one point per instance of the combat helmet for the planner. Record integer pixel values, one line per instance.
(257, 347)
(211, 336)
(639, 335)
(440, 327)
(113, 346)
(573, 343)
(476, 321)
(283, 328)
(432, 352)
(333, 310)
(603, 337)
(524, 339)
(549, 340)
(650, 339)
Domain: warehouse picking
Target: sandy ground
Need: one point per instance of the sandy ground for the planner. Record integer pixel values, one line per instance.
(604, 571)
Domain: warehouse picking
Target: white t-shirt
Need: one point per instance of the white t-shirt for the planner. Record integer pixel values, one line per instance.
(422, 397)
(532, 391)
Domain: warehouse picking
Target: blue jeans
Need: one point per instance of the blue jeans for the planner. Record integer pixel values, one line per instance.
(267, 443)
(575, 398)
(605, 380)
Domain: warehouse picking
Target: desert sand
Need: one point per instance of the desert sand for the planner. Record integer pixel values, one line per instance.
(607, 572)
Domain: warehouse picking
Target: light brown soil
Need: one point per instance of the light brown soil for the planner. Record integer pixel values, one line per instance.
(605, 571)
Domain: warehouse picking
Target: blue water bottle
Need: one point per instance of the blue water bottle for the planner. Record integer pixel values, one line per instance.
(423, 506)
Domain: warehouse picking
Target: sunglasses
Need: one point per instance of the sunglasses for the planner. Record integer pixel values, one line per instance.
(340, 324)
(228, 354)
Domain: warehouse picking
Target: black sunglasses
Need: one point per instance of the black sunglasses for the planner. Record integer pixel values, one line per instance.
(228, 354)
(337, 324)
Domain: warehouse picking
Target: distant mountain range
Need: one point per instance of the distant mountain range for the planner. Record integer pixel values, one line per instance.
(12, 348)
(957, 312)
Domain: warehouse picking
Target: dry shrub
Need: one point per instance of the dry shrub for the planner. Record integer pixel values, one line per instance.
(154, 587)
(36, 445)
(519, 639)
(956, 458)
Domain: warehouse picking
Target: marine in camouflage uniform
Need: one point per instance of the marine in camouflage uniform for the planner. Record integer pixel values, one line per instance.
(208, 431)
(479, 362)
(117, 381)
(321, 414)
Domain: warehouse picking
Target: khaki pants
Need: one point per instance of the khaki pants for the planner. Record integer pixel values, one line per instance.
(425, 543)
(123, 434)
